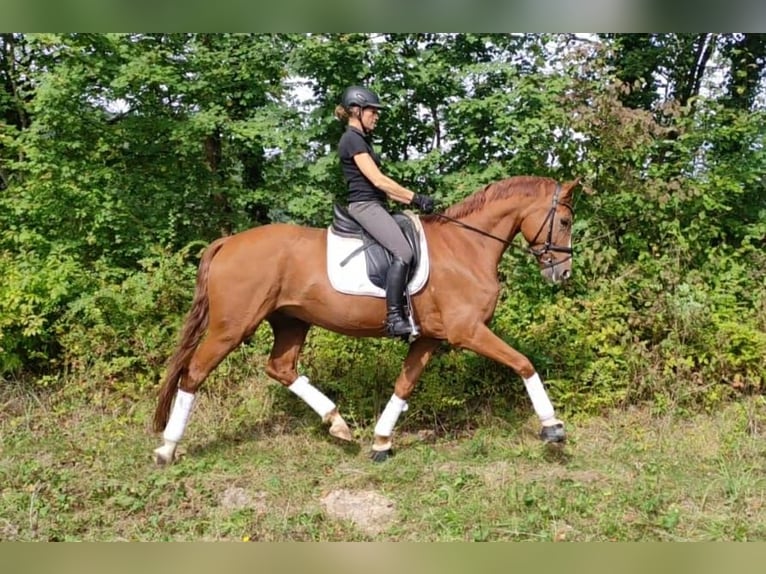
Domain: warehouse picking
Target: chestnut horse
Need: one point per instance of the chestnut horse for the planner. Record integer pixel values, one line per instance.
(277, 273)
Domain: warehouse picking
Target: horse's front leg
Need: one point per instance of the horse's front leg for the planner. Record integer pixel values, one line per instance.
(417, 358)
(484, 342)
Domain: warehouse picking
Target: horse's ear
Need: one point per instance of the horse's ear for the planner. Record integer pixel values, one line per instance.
(568, 186)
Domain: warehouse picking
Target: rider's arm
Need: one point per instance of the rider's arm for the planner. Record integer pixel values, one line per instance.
(367, 166)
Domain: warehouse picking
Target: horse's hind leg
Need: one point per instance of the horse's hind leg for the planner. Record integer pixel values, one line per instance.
(289, 336)
(218, 343)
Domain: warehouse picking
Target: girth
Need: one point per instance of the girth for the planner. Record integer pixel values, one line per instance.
(377, 258)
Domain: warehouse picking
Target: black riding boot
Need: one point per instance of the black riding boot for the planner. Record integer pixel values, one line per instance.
(397, 324)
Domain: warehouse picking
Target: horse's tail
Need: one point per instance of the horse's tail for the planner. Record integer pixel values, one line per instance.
(194, 327)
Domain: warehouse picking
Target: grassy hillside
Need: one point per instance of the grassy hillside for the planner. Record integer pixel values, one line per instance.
(257, 466)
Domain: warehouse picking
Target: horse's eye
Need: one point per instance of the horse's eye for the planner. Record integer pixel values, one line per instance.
(565, 222)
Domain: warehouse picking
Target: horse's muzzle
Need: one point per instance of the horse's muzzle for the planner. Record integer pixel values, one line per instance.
(556, 273)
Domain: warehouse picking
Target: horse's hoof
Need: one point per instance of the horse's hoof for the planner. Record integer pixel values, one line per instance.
(342, 432)
(162, 457)
(339, 429)
(381, 455)
(161, 461)
(553, 434)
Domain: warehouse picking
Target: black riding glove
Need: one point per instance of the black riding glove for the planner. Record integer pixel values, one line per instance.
(423, 203)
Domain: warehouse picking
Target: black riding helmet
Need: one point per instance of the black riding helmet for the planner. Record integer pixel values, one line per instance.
(360, 96)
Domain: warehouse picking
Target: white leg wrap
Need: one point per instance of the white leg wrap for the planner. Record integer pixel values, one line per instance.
(312, 396)
(387, 420)
(540, 401)
(179, 416)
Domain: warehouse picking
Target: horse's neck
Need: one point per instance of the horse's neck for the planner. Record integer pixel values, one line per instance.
(502, 220)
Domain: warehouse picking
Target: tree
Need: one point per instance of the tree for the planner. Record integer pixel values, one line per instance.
(747, 56)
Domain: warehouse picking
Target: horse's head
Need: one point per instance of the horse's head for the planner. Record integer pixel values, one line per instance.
(548, 230)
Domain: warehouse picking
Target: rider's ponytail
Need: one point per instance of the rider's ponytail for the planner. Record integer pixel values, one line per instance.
(341, 113)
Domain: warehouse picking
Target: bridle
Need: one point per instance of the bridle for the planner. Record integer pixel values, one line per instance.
(547, 247)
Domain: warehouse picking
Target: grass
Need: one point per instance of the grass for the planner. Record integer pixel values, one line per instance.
(257, 465)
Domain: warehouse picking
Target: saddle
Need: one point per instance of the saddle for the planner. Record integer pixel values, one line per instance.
(377, 258)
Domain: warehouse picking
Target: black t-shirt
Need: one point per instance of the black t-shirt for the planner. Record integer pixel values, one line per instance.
(353, 142)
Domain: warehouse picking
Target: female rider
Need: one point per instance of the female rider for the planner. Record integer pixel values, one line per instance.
(368, 190)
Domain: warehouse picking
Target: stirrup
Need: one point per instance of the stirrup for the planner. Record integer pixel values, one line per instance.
(399, 327)
(414, 331)
(407, 336)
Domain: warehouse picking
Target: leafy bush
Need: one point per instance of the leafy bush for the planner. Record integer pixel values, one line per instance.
(122, 332)
(668, 300)
(33, 293)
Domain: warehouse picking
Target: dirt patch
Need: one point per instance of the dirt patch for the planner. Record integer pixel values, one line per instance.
(370, 511)
(236, 498)
(8, 531)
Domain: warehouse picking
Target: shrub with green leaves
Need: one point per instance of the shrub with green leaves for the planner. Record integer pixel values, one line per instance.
(34, 291)
(113, 144)
(121, 333)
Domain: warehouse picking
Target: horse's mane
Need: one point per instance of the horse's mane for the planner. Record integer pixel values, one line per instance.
(520, 184)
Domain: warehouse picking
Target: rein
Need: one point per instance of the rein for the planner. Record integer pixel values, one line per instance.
(476, 229)
(548, 246)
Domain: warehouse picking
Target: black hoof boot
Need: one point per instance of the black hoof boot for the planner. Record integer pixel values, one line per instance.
(381, 455)
(553, 434)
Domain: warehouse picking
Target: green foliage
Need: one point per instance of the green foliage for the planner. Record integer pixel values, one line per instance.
(118, 151)
(33, 293)
(647, 335)
(121, 333)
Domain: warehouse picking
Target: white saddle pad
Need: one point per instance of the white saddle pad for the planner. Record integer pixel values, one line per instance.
(352, 278)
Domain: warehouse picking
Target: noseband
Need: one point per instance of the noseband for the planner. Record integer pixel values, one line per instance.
(549, 246)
